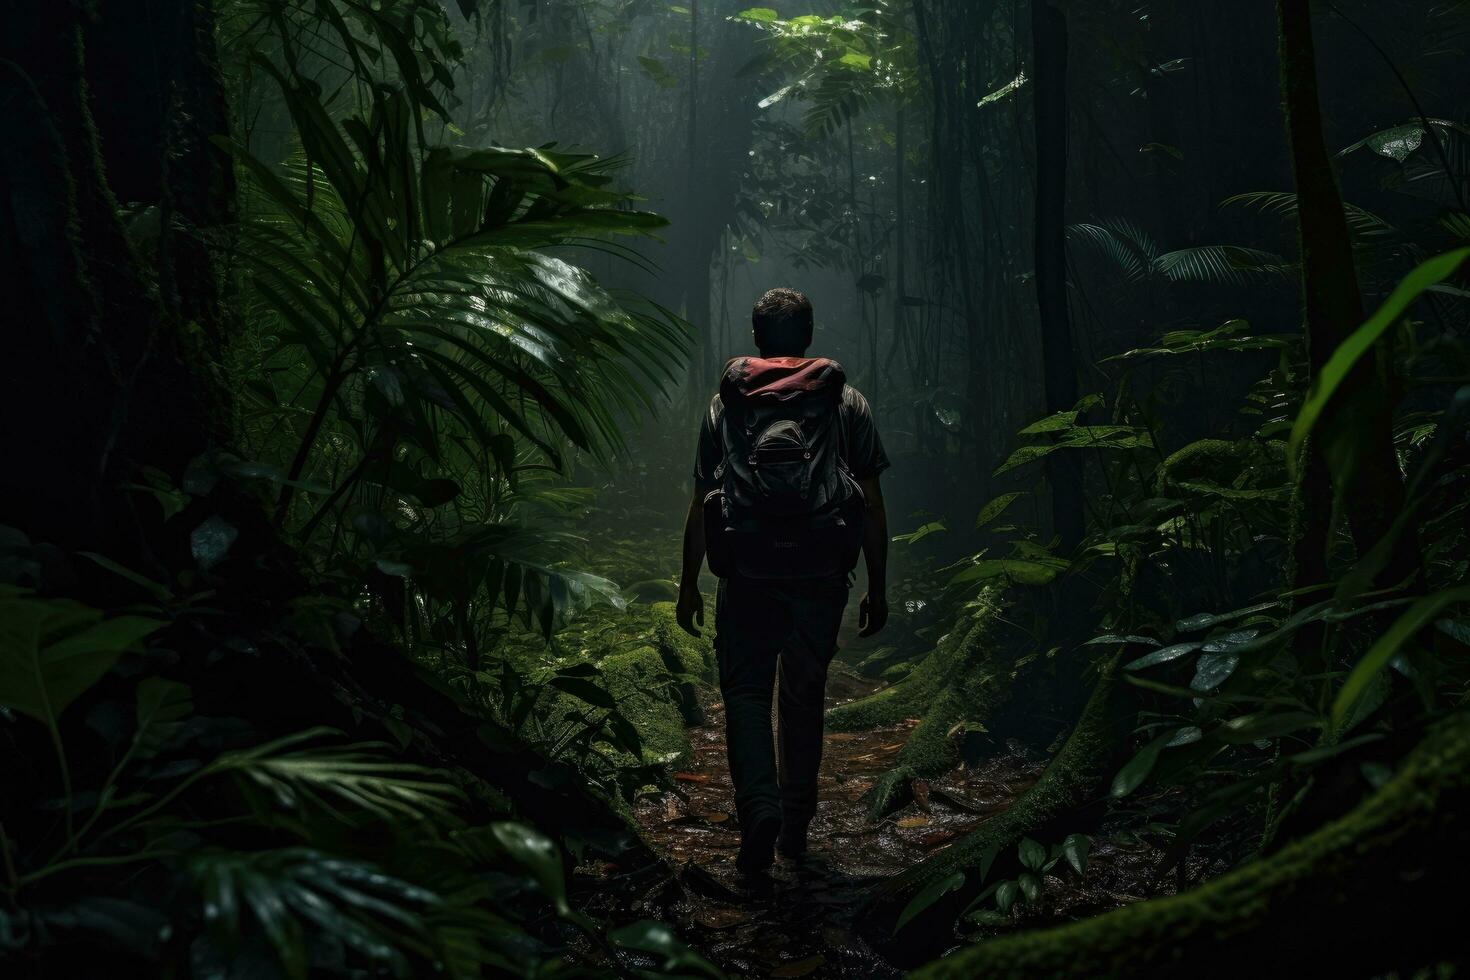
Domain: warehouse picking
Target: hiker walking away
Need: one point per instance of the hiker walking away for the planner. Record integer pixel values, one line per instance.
(785, 495)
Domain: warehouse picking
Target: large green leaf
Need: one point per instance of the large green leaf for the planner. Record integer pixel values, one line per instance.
(996, 507)
(538, 856)
(1110, 437)
(1137, 769)
(1023, 571)
(927, 896)
(1415, 618)
(657, 938)
(53, 650)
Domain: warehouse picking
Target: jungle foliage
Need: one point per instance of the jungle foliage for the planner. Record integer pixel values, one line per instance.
(356, 348)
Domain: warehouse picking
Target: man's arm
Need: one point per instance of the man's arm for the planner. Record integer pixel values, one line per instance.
(690, 607)
(873, 610)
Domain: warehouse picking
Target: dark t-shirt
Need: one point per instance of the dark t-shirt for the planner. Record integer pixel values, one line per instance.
(858, 442)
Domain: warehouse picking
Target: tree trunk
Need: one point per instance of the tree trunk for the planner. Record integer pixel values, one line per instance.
(1048, 808)
(92, 332)
(1049, 64)
(900, 239)
(1357, 439)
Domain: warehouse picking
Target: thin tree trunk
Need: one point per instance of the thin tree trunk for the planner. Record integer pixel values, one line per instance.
(900, 241)
(1049, 62)
(1358, 438)
(696, 314)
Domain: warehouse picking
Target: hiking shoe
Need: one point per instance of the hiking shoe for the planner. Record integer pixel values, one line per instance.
(792, 843)
(757, 846)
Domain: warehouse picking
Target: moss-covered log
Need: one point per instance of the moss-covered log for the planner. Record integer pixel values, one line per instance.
(966, 678)
(689, 656)
(1068, 783)
(1364, 894)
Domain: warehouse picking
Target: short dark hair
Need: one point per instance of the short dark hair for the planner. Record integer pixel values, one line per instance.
(782, 320)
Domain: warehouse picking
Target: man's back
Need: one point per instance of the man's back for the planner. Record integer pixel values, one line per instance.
(858, 443)
(766, 443)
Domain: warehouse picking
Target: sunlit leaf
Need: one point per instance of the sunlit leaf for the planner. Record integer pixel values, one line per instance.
(1163, 656)
(538, 856)
(995, 508)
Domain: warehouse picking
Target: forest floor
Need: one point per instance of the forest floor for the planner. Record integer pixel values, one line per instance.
(799, 923)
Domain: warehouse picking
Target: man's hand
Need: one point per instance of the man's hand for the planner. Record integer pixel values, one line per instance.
(690, 607)
(689, 610)
(872, 613)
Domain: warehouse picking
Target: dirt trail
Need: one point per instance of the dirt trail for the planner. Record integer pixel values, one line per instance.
(799, 925)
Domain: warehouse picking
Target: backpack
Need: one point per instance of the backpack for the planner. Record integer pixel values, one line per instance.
(786, 506)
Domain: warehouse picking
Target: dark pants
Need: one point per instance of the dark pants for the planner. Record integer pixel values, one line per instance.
(757, 626)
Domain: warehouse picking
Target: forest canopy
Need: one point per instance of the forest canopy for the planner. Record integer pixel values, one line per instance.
(358, 355)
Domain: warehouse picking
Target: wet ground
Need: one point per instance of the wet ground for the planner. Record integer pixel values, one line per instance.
(798, 924)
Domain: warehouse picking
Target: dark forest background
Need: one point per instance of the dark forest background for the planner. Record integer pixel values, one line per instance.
(356, 349)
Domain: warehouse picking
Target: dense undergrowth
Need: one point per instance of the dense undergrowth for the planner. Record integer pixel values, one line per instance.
(335, 571)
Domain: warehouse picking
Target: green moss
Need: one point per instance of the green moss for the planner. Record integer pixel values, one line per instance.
(694, 655)
(1069, 780)
(965, 678)
(638, 679)
(955, 656)
(897, 672)
(1341, 899)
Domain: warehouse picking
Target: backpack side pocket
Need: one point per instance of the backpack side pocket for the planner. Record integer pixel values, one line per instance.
(716, 535)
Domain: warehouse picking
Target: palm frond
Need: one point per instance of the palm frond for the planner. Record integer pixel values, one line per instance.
(290, 893)
(1124, 246)
(1364, 225)
(341, 779)
(1229, 264)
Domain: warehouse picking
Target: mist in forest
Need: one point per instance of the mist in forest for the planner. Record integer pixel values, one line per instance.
(356, 507)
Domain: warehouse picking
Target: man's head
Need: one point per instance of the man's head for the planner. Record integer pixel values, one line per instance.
(782, 322)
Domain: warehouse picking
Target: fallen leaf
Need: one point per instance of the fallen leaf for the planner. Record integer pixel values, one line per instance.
(691, 777)
(799, 968)
(890, 748)
(936, 837)
(842, 737)
(720, 918)
(717, 817)
(914, 821)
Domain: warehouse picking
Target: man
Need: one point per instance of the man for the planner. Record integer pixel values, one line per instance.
(783, 451)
